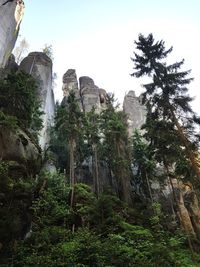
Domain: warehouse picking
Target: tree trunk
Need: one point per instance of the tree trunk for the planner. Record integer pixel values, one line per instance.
(96, 169)
(149, 187)
(182, 212)
(123, 175)
(185, 142)
(72, 175)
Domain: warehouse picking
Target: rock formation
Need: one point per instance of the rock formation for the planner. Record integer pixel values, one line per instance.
(87, 93)
(39, 65)
(70, 83)
(135, 111)
(20, 151)
(10, 18)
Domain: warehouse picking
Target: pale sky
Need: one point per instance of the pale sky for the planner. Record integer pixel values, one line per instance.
(96, 37)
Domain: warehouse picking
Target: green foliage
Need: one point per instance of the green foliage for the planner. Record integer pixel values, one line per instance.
(68, 129)
(15, 200)
(116, 147)
(171, 123)
(48, 50)
(50, 207)
(7, 121)
(144, 164)
(103, 234)
(19, 99)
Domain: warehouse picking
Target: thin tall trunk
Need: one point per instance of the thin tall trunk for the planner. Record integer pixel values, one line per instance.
(171, 198)
(32, 65)
(72, 175)
(171, 183)
(96, 169)
(185, 142)
(123, 176)
(149, 187)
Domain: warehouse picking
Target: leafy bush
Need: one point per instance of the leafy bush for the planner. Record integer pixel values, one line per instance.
(103, 236)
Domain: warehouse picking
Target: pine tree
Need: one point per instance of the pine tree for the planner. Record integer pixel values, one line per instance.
(92, 133)
(167, 96)
(116, 153)
(69, 122)
(143, 162)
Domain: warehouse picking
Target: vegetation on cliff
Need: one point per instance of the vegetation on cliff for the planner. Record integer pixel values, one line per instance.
(19, 100)
(54, 220)
(106, 231)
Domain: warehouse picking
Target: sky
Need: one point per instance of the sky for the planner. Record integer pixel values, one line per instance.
(96, 37)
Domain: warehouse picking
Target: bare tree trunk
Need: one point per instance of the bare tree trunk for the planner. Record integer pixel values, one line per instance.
(185, 142)
(123, 175)
(72, 174)
(32, 65)
(149, 187)
(171, 198)
(183, 214)
(96, 170)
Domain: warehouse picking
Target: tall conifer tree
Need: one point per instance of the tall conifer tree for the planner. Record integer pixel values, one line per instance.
(166, 97)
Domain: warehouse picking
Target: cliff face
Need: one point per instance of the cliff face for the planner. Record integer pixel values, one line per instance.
(39, 65)
(10, 17)
(135, 111)
(89, 95)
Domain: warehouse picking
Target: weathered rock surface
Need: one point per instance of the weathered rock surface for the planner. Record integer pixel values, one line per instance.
(89, 94)
(85, 174)
(70, 82)
(86, 92)
(192, 205)
(10, 18)
(39, 65)
(135, 111)
(17, 147)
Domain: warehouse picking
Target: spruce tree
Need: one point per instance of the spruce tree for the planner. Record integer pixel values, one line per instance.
(116, 150)
(68, 121)
(166, 96)
(92, 136)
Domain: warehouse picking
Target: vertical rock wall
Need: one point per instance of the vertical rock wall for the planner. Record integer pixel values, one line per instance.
(39, 65)
(89, 94)
(10, 17)
(135, 112)
(70, 83)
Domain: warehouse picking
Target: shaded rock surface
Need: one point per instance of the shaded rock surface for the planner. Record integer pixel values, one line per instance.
(39, 65)
(17, 147)
(10, 18)
(85, 174)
